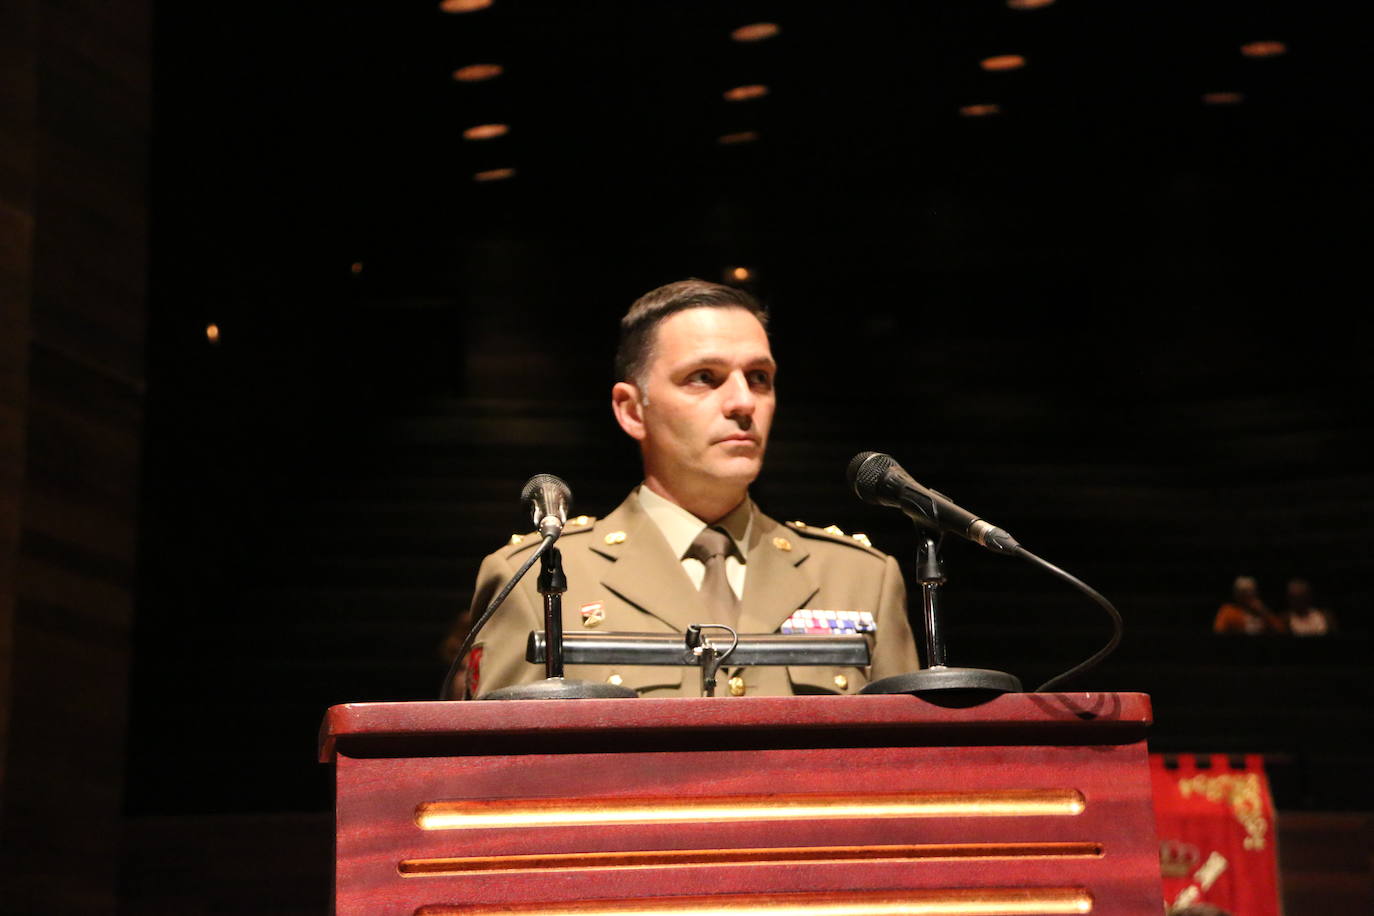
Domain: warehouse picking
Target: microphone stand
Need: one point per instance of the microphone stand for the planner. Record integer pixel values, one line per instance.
(937, 681)
(931, 575)
(552, 584)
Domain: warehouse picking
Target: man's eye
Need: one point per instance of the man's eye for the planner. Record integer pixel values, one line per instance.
(702, 377)
(761, 379)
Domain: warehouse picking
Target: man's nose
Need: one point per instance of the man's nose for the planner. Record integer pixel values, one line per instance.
(740, 398)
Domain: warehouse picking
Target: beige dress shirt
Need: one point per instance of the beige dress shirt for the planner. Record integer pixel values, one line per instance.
(680, 528)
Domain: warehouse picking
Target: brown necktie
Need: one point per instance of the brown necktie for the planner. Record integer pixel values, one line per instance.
(711, 547)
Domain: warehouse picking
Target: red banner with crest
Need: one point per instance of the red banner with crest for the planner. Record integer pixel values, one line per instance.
(1217, 837)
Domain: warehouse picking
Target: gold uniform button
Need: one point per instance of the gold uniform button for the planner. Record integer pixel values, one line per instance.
(841, 681)
(615, 679)
(593, 613)
(782, 543)
(737, 686)
(615, 537)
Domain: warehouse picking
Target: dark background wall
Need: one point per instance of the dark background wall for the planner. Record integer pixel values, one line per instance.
(73, 215)
(1125, 325)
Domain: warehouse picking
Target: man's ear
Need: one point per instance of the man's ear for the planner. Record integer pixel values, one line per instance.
(628, 409)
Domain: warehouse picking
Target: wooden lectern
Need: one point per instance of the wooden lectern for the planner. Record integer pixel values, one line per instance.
(817, 806)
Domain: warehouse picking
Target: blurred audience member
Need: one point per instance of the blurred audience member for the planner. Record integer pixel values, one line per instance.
(1302, 618)
(1246, 613)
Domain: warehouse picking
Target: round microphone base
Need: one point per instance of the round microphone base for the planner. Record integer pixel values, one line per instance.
(949, 686)
(559, 688)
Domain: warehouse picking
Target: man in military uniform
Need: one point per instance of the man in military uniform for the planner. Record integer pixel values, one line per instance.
(696, 391)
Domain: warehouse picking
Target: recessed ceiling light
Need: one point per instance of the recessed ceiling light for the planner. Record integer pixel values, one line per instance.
(758, 31)
(738, 275)
(1028, 4)
(212, 333)
(355, 268)
(494, 175)
(744, 136)
(476, 73)
(1222, 98)
(1263, 48)
(981, 110)
(744, 93)
(464, 6)
(1003, 62)
(486, 131)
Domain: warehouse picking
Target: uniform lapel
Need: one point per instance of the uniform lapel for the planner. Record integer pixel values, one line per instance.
(644, 571)
(778, 582)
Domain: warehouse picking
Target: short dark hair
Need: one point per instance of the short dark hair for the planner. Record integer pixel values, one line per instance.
(649, 310)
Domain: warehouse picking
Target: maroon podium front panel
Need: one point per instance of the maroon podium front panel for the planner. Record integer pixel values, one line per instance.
(820, 806)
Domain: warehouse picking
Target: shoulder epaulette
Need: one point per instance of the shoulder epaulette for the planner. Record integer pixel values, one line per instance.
(577, 525)
(833, 533)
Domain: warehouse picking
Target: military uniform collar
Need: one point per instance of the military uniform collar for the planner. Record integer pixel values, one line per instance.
(680, 527)
(646, 572)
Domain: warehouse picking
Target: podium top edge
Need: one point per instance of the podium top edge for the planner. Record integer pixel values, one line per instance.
(1102, 717)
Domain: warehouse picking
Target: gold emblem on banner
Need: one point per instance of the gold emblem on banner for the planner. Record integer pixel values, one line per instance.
(1239, 790)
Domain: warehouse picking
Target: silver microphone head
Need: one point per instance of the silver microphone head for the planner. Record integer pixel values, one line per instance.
(550, 501)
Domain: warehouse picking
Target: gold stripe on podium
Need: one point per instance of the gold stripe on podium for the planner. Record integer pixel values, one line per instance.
(992, 901)
(471, 814)
(783, 855)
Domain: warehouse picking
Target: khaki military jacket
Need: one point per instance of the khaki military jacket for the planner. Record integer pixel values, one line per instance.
(622, 577)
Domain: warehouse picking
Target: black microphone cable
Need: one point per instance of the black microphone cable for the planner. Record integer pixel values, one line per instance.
(446, 689)
(877, 478)
(1118, 626)
(550, 500)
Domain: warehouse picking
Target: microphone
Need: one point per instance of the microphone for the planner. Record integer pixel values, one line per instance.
(878, 479)
(549, 500)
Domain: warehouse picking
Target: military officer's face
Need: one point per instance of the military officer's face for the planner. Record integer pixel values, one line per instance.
(708, 399)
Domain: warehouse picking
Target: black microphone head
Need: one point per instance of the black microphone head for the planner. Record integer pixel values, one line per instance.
(547, 495)
(866, 470)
